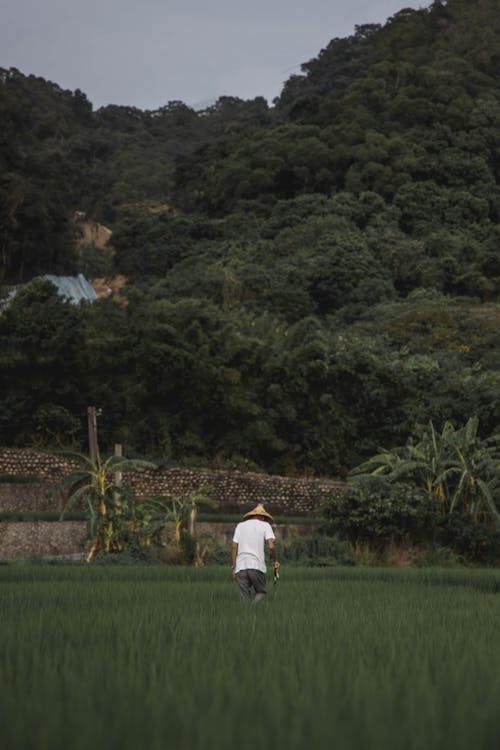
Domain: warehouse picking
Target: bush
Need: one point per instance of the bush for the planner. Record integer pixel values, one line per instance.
(435, 556)
(376, 511)
(476, 542)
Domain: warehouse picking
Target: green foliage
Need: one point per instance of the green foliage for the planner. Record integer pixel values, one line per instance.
(181, 511)
(472, 541)
(377, 511)
(304, 283)
(455, 466)
(440, 489)
(54, 424)
(118, 523)
(39, 360)
(115, 523)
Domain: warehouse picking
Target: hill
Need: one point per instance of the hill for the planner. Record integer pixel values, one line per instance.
(305, 282)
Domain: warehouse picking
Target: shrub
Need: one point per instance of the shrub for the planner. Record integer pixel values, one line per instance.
(376, 511)
(476, 542)
(436, 556)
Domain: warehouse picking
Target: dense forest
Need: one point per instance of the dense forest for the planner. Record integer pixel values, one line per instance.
(305, 282)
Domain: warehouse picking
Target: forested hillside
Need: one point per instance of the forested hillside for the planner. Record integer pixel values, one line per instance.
(305, 282)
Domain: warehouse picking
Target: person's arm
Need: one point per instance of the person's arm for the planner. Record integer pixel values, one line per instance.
(234, 554)
(274, 553)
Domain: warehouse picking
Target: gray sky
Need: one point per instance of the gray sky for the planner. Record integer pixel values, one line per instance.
(148, 52)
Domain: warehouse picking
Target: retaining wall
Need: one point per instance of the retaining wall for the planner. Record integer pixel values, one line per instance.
(27, 539)
(234, 491)
(41, 539)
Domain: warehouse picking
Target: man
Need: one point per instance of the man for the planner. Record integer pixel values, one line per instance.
(248, 553)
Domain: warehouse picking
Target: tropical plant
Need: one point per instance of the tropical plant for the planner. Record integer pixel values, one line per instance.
(98, 484)
(182, 511)
(456, 466)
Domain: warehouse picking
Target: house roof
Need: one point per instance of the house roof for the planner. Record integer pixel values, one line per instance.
(74, 288)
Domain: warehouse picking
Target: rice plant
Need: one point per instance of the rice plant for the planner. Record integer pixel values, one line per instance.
(158, 657)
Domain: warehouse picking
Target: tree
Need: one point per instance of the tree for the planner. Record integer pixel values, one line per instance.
(40, 358)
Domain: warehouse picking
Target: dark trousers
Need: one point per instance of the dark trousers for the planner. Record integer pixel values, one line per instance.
(251, 579)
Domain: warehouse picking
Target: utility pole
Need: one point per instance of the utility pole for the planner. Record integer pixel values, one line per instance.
(92, 423)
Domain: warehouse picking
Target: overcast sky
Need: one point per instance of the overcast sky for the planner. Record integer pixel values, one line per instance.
(145, 53)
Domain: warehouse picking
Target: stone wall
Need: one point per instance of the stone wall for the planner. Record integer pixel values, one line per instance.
(234, 491)
(39, 497)
(45, 466)
(43, 539)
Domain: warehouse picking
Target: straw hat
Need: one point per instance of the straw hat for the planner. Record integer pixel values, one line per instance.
(259, 510)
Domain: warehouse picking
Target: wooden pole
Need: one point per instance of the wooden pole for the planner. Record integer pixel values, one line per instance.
(92, 424)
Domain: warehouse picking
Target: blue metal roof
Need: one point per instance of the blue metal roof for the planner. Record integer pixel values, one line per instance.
(74, 288)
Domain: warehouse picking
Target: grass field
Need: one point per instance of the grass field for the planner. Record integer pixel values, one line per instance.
(157, 657)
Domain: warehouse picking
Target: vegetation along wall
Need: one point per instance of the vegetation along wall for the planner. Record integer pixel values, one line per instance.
(233, 491)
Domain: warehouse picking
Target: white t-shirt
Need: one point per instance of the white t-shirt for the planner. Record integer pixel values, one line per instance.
(251, 536)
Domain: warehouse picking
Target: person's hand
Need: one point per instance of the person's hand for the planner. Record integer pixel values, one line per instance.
(276, 565)
(234, 572)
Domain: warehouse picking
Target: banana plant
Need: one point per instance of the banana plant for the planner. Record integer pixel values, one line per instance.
(454, 465)
(182, 511)
(473, 473)
(94, 482)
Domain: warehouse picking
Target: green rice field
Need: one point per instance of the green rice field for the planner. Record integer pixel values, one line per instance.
(119, 657)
